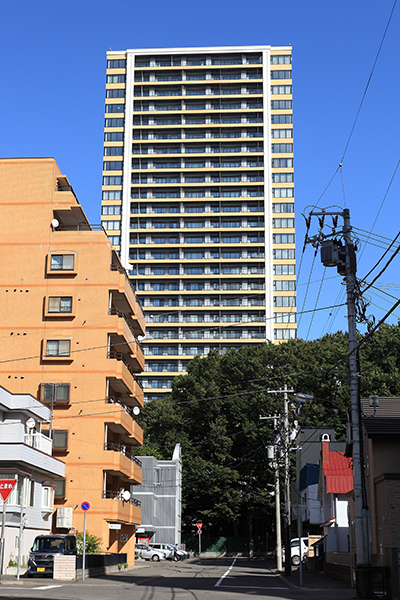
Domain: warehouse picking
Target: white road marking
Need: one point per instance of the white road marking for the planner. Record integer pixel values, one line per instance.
(220, 580)
(46, 587)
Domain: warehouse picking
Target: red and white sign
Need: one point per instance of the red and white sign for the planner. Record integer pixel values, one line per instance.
(143, 541)
(6, 487)
(199, 526)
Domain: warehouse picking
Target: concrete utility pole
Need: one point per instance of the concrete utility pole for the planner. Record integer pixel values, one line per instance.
(332, 255)
(288, 520)
(287, 514)
(273, 453)
(361, 511)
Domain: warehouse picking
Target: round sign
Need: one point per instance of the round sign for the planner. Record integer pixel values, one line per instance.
(85, 506)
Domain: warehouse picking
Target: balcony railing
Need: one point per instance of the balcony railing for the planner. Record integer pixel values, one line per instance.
(39, 442)
(121, 357)
(125, 450)
(118, 496)
(121, 314)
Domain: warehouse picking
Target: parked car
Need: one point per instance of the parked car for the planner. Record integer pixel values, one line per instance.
(45, 547)
(149, 553)
(169, 550)
(295, 550)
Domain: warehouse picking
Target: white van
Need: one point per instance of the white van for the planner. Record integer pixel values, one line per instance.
(295, 550)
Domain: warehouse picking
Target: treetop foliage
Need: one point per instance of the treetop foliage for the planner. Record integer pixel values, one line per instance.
(214, 412)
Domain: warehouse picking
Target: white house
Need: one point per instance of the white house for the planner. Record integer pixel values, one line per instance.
(335, 482)
(25, 456)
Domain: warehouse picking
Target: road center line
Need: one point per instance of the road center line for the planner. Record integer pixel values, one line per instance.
(220, 580)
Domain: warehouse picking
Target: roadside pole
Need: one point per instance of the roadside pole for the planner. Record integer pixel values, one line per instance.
(21, 527)
(6, 487)
(85, 507)
(199, 526)
(288, 521)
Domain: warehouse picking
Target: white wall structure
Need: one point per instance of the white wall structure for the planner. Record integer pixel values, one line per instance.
(161, 498)
(25, 456)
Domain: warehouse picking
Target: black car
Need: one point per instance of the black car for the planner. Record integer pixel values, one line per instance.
(41, 555)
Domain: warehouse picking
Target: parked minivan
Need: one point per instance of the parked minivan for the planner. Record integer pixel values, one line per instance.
(41, 555)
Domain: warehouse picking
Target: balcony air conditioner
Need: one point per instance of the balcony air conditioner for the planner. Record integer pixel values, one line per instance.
(64, 517)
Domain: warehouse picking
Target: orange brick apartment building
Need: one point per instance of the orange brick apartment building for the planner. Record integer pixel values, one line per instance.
(69, 322)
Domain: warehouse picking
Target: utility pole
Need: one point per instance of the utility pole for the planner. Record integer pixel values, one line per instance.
(273, 453)
(287, 515)
(287, 521)
(332, 255)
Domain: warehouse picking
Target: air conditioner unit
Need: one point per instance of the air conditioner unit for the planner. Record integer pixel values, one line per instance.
(64, 517)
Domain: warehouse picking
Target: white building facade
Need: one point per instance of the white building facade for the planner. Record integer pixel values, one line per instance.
(25, 456)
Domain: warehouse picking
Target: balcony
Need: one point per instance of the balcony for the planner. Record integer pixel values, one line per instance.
(118, 511)
(39, 442)
(118, 462)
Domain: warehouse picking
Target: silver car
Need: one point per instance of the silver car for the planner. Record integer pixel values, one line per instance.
(149, 553)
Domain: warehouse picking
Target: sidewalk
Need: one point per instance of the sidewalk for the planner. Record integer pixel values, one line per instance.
(313, 581)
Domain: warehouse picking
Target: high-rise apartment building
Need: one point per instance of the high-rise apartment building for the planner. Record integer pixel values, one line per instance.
(198, 197)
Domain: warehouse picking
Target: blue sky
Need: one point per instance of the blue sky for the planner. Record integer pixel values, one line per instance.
(53, 82)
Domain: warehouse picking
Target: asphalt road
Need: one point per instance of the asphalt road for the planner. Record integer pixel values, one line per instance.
(219, 579)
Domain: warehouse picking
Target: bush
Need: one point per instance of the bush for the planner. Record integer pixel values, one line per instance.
(93, 543)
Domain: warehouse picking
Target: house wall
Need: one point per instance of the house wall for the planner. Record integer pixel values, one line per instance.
(32, 193)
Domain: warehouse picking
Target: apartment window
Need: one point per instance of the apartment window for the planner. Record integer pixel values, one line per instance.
(62, 262)
(279, 163)
(281, 59)
(282, 223)
(281, 104)
(110, 225)
(47, 497)
(117, 93)
(115, 122)
(111, 210)
(284, 269)
(60, 304)
(113, 165)
(284, 334)
(58, 347)
(113, 151)
(284, 317)
(284, 301)
(116, 78)
(284, 285)
(116, 64)
(60, 439)
(284, 74)
(114, 136)
(56, 392)
(282, 177)
(283, 207)
(283, 238)
(115, 108)
(282, 133)
(281, 89)
(279, 148)
(112, 180)
(280, 119)
(59, 491)
(115, 240)
(285, 254)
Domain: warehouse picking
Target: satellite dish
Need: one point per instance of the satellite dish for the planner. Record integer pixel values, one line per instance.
(136, 410)
(126, 495)
(55, 223)
(30, 423)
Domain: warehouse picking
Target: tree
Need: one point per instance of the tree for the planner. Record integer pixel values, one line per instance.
(214, 410)
(93, 543)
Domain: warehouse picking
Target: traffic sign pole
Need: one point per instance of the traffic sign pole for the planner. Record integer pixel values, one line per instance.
(6, 487)
(84, 546)
(198, 525)
(85, 507)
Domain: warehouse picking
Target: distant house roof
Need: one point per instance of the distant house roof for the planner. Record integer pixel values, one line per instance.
(337, 470)
(381, 416)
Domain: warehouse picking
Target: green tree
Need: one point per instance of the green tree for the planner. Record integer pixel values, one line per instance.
(214, 410)
(93, 543)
